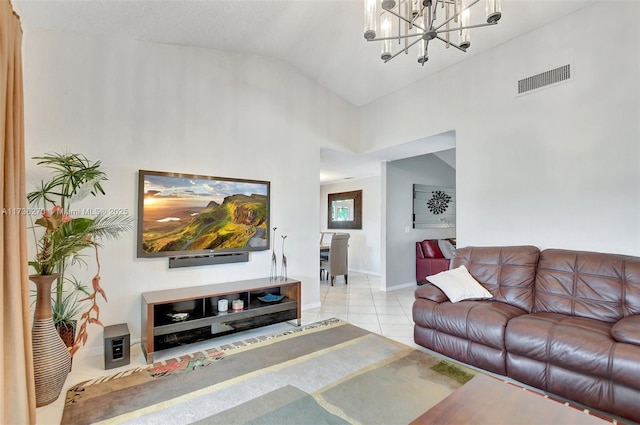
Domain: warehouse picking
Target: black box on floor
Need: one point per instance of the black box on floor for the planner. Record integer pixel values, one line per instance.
(116, 346)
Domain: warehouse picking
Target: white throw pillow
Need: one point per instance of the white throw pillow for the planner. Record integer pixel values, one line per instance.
(458, 285)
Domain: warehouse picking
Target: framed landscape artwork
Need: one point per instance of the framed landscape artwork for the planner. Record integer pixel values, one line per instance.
(184, 214)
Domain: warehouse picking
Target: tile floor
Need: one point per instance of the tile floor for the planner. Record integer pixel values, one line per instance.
(360, 303)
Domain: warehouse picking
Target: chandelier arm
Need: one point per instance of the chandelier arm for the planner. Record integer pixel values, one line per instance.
(416, 16)
(455, 15)
(396, 37)
(403, 50)
(409, 21)
(451, 43)
(468, 26)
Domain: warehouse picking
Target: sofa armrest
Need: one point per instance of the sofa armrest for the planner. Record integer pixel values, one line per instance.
(431, 293)
(627, 330)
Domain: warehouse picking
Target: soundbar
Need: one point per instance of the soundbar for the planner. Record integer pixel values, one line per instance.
(208, 259)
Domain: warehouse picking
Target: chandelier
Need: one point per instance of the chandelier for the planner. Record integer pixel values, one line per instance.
(415, 22)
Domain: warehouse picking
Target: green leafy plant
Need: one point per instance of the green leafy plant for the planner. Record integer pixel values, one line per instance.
(63, 238)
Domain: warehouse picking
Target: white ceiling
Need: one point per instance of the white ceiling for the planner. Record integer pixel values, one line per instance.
(321, 38)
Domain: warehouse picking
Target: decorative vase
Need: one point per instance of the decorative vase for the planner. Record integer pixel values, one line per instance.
(273, 273)
(67, 332)
(51, 358)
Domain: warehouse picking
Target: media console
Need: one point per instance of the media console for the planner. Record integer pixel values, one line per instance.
(182, 316)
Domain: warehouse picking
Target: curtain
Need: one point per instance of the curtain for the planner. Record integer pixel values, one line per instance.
(17, 401)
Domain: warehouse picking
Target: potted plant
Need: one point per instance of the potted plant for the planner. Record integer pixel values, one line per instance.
(63, 238)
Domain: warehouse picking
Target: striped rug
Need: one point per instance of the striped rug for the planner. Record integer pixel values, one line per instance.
(329, 372)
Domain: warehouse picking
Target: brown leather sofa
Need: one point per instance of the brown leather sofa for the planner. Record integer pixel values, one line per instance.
(567, 322)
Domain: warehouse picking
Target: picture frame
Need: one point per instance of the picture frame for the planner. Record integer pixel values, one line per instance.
(344, 210)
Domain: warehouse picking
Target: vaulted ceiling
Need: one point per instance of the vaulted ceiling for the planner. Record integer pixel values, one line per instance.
(321, 38)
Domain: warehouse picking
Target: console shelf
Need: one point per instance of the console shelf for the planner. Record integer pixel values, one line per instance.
(203, 320)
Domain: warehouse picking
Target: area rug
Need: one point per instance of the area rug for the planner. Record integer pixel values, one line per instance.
(329, 372)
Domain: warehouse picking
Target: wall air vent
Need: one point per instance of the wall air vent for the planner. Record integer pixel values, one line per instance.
(544, 79)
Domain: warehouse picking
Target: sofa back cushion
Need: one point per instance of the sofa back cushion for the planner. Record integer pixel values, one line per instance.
(588, 284)
(428, 249)
(508, 272)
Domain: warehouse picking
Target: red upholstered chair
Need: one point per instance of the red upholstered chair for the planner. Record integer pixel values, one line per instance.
(429, 260)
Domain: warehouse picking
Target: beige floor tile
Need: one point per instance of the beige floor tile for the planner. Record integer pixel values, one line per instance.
(390, 309)
(405, 331)
(362, 318)
(389, 302)
(360, 288)
(394, 319)
(336, 300)
(328, 308)
(366, 309)
(363, 301)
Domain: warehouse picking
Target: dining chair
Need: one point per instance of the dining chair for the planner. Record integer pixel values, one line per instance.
(337, 263)
(325, 238)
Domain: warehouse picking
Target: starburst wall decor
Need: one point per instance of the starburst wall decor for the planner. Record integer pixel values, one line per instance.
(434, 207)
(439, 202)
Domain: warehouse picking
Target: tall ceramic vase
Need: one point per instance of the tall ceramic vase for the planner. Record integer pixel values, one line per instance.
(51, 358)
(284, 260)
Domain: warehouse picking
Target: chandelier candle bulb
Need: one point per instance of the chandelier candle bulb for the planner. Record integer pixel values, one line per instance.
(422, 52)
(494, 12)
(415, 7)
(456, 10)
(370, 24)
(465, 17)
(422, 45)
(386, 44)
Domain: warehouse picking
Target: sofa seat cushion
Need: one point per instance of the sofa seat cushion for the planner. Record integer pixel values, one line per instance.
(574, 343)
(627, 330)
(482, 321)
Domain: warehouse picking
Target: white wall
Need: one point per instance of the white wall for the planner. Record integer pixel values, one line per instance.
(556, 168)
(399, 245)
(364, 244)
(138, 105)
